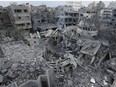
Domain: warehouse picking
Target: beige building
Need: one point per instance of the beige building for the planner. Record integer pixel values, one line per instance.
(20, 16)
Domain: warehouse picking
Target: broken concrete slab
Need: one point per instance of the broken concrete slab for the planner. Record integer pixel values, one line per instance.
(92, 80)
(30, 83)
(112, 63)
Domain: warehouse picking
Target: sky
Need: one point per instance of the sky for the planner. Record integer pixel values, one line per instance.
(48, 3)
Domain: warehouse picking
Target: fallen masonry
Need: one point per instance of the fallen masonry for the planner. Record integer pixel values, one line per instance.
(61, 58)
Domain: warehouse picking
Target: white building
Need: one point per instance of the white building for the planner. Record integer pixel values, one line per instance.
(75, 4)
(88, 12)
(105, 17)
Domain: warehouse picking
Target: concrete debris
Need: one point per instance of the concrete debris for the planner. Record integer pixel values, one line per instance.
(114, 84)
(57, 47)
(57, 59)
(105, 83)
(112, 63)
(92, 80)
(1, 78)
(9, 74)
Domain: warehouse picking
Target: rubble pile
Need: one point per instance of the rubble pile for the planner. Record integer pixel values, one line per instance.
(81, 60)
(20, 63)
(62, 58)
(18, 51)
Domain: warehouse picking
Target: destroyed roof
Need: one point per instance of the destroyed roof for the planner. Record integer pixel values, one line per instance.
(87, 22)
(90, 47)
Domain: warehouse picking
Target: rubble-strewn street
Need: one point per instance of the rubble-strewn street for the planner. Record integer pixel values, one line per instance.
(63, 46)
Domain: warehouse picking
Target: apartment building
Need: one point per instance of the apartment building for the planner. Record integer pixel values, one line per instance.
(108, 16)
(20, 16)
(66, 16)
(105, 17)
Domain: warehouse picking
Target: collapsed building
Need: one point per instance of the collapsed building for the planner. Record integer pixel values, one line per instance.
(69, 57)
(43, 18)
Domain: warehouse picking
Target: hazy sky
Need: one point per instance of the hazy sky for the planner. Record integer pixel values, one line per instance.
(48, 3)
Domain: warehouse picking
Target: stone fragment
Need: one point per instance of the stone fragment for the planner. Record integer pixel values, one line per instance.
(105, 83)
(10, 74)
(92, 80)
(31, 69)
(14, 66)
(1, 79)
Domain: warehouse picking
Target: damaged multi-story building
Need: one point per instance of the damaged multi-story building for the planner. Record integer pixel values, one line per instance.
(105, 17)
(20, 16)
(4, 21)
(66, 16)
(87, 27)
(92, 10)
(108, 16)
(43, 18)
(76, 5)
